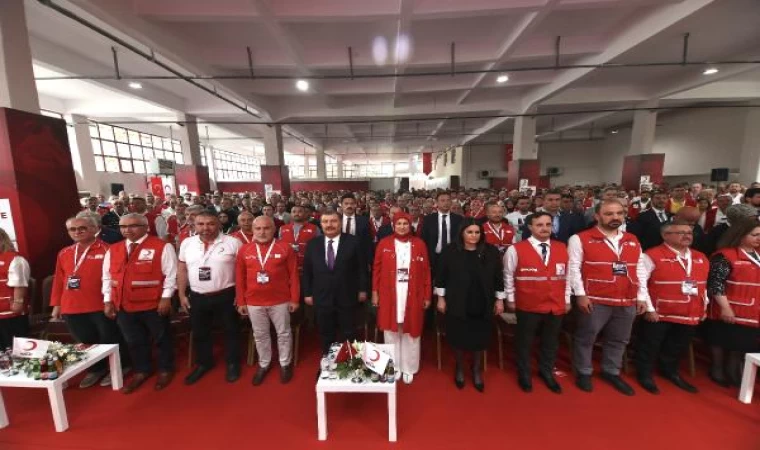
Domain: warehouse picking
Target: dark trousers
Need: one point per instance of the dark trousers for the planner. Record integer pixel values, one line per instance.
(204, 309)
(13, 327)
(139, 328)
(528, 325)
(664, 343)
(96, 328)
(330, 319)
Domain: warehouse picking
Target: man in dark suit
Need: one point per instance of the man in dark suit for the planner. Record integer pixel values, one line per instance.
(354, 224)
(565, 223)
(440, 228)
(387, 229)
(335, 280)
(647, 225)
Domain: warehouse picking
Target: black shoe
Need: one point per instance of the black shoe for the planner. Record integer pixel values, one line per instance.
(678, 381)
(286, 373)
(649, 385)
(584, 383)
(551, 383)
(196, 374)
(258, 378)
(233, 373)
(477, 381)
(525, 383)
(459, 378)
(618, 383)
(722, 382)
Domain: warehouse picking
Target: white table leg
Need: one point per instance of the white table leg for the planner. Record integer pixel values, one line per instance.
(4, 422)
(58, 407)
(114, 361)
(748, 381)
(321, 417)
(392, 417)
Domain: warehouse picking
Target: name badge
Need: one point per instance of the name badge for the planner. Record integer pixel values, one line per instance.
(295, 247)
(560, 269)
(73, 282)
(619, 268)
(262, 277)
(502, 248)
(689, 287)
(146, 254)
(204, 273)
(402, 275)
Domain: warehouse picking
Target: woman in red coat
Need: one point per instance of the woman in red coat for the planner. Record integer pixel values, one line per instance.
(401, 291)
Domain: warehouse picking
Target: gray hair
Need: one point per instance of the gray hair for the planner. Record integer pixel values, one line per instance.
(140, 218)
(195, 209)
(92, 217)
(736, 213)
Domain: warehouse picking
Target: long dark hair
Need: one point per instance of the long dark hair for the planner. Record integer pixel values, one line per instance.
(732, 238)
(468, 222)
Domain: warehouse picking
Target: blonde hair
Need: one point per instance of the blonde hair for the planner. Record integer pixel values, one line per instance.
(5, 242)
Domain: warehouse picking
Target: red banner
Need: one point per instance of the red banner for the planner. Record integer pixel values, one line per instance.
(157, 187)
(427, 163)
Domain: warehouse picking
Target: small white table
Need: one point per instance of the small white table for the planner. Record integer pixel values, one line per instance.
(346, 385)
(751, 361)
(55, 387)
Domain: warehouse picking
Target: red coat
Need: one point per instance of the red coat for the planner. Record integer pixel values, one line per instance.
(540, 288)
(479, 214)
(89, 297)
(742, 288)
(384, 282)
(602, 286)
(501, 241)
(665, 285)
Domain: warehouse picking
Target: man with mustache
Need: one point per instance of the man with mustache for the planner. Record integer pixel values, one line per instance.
(603, 269)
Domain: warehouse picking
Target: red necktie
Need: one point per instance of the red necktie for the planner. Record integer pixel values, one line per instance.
(131, 249)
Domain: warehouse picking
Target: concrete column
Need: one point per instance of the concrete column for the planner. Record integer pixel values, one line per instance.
(83, 157)
(339, 164)
(643, 132)
(273, 149)
(412, 165)
(17, 87)
(211, 164)
(188, 136)
(749, 162)
(321, 163)
(524, 140)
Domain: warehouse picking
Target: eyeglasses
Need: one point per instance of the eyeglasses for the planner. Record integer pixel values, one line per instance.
(680, 233)
(130, 227)
(78, 229)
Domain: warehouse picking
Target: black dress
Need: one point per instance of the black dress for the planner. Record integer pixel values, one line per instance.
(472, 331)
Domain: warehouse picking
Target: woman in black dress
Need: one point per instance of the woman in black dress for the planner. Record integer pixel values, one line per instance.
(734, 287)
(470, 289)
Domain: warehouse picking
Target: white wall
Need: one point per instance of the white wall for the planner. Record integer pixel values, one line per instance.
(483, 157)
(578, 161)
(382, 184)
(441, 173)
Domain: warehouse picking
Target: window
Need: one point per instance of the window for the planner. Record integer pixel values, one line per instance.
(332, 170)
(236, 167)
(118, 149)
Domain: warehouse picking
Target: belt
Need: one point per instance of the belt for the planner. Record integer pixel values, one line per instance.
(230, 289)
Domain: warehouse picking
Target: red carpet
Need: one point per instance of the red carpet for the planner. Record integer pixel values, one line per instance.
(432, 414)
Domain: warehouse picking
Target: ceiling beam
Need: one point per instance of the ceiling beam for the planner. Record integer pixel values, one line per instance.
(403, 29)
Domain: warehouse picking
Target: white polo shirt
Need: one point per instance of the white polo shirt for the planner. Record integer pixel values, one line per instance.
(219, 256)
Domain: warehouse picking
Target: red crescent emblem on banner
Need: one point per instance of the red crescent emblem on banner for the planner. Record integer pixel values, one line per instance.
(376, 357)
(30, 345)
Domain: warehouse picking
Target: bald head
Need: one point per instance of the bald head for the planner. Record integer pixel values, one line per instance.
(263, 229)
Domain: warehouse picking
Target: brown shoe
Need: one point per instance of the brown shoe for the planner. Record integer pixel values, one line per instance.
(164, 378)
(137, 380)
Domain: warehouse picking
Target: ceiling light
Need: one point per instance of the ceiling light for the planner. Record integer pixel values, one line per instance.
(614, 131)
(710, 71)
(135, 85)
(302, 85)
(502, 78)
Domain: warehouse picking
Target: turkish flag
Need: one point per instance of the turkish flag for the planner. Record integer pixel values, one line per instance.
(157, 187)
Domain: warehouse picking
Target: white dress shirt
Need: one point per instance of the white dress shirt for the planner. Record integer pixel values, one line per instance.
(517, 220)
(19, 272)
(575, 251)
(736, 199)
(352, 230)
(510, 265)
(439, 245)
(660, 213)
(403, 259)
(219, 256)
(168, 268)
(336, 242)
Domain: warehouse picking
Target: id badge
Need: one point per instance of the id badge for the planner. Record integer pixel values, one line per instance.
(560, 268)
(502, 248)
(204, 273)
(262, 277)
(619, 268)
(295, 247)
(402, 275)
(73, 282)
(689, 287)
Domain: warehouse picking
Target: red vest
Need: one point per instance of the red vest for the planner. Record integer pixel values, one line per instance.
(172, 229)
(89, 297)
(602, 286)
(307, 233)
(742, 288)
(666, 282)
(6, 292)
(186, 232)
(151, 216)
(540, 288)
(242, 237)
(501, 241)
(137, 283)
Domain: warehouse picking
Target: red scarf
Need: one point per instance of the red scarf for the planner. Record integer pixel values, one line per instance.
(402, 237)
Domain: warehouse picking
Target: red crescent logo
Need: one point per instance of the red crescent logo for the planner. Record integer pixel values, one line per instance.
(30, 345)
(376, 357)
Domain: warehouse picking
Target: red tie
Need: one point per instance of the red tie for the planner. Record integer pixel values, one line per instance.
(131, 249)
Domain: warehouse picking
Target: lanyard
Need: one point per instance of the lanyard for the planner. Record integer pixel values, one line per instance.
(207, 253)
(263, 261)
(687, 266)
(245, 238)
(615, 248)
(499, 234)
(404, 256)
(752, 258)
(78, 261)
(296, 233)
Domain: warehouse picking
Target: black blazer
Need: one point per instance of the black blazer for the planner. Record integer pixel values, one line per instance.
(453, 275)
(430, 233)
(363, 235)
(341, 286)
(647, 229)
(569, 224)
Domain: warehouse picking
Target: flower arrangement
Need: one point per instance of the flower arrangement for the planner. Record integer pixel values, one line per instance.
(51, 366)
(348, 360)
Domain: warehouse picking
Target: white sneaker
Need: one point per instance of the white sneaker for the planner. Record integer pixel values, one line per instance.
(408, 378)
(106, 380)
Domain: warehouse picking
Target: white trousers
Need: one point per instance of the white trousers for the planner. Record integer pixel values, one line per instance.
(408, 348)
(260, 319)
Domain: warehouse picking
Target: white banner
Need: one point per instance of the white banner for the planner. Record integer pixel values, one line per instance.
(30, 348)
(6, 220)
(375, 359)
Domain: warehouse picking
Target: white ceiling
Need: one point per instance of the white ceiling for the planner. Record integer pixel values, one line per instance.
(302, 38)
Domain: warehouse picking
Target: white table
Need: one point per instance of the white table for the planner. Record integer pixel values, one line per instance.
(55, 387)
(346, 385)
(751, 361)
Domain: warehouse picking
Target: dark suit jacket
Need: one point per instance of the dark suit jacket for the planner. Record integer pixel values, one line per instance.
(647, 229)
(453, 275)
(430, 233)
(569, 224)
(363, 235)
(341, 286)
